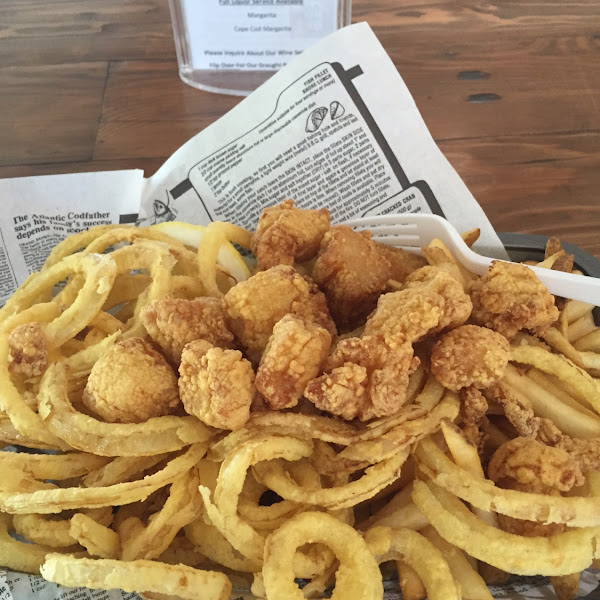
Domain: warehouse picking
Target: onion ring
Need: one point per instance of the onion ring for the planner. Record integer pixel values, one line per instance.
(52, 466)
(418, 553)
(155, 436)
(182, 506)
(272, 474)
(57, 500)
(560, 554)
(19, 556)
(358, 577)
(136, 576)
(482, 493)
(96, 538)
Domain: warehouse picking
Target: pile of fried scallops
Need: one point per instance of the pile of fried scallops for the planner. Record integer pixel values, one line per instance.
(189, 424)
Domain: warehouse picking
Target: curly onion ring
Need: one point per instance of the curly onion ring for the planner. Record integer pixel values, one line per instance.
(154, 436)
(223, 512)
(482, 493)
(358, 577)
(96, 538)
(418, 553)
(57, 500)
(136, 576)
(272, 473)
(181, 507)
(560, 554)
(19, 556)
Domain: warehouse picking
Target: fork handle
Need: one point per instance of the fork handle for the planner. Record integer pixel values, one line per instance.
(567, 285)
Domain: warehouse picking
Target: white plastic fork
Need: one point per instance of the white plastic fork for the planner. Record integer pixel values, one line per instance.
(413, 231)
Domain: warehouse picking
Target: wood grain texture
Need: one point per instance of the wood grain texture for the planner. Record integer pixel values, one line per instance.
(510, 89)
(50, 112)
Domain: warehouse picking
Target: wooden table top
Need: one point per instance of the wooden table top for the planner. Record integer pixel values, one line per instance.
(510, 90)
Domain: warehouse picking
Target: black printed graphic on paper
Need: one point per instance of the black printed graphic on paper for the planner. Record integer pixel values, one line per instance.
(245, 204)
(162, 213)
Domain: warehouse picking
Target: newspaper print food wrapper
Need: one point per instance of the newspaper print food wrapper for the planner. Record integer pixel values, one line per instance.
(337, 127)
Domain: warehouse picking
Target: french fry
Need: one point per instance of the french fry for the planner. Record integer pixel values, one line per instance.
(411, 586)
(571, 421)
(584, 386)
(551, 384)
(471, 236)
(472, 585)
(590, 342)
(581, 327)
(562, 344)
(566, 587)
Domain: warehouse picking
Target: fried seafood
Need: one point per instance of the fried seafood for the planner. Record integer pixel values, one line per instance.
(469, 356)
(131, 383)
(253, 306)
(365, 377)
(216, 385)
(402, 262)
(294, 355)
(28, 356)
(351, 272)
(173, 322)
(526, 465)
(432, 300)
(457, 304)
(285, 234)
(509, 298)
(406, 314)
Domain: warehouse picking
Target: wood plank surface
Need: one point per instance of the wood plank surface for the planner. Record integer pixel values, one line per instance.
(510, 89)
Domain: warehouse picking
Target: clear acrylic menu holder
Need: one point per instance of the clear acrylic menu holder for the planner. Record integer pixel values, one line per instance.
(232, 46)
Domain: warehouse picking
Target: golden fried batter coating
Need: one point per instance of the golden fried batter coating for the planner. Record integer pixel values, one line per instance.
(469, 356)
(293, 357)
(28, 356)
(457, 304)
(408, 313)
(319, 308)
(131, 383)
(174, 322)
(526, 465)
(402, 262)
(366, 378)
(216, 385)
(352, 273)
(285, 234)
(253, 306)
(509, 297)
